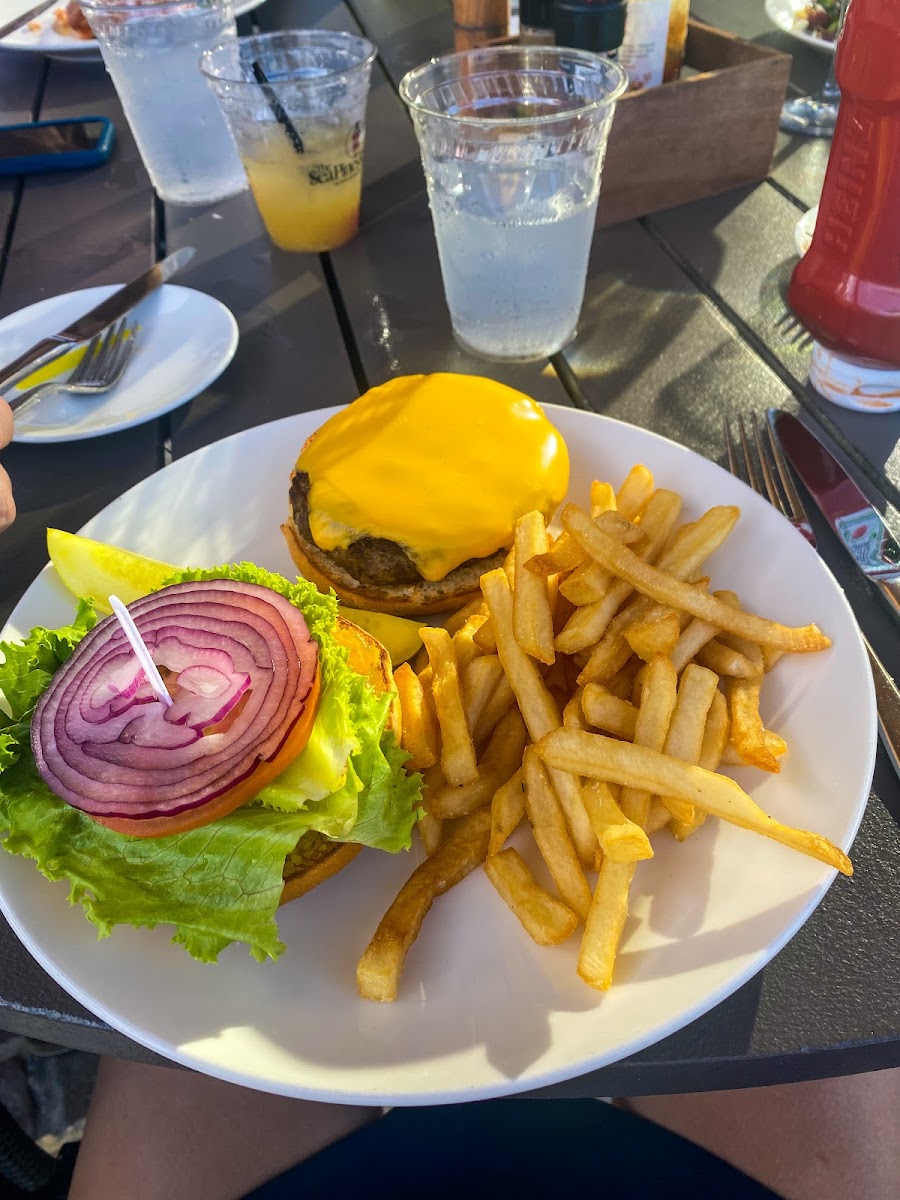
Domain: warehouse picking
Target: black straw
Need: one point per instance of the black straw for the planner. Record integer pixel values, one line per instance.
(280, 115)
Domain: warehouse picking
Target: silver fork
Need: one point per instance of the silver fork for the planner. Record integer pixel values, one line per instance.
(102, 366)
(786, 499)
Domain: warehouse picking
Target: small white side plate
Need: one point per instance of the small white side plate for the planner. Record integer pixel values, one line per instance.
(186, 339)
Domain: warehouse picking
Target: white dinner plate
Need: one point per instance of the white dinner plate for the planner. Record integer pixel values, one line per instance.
(482, 1010)
(185, 340)
(785, 14)
(39, 36)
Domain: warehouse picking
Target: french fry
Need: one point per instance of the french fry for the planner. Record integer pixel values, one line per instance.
(590, 582)
(622, 683)
(693, 543)
(603, 499)
(715, 739)
(690, 546)
(509, 565)
(464, 645)
(658, 697)
(659, 816)
(549, 826)
(479, 680)
(687, 727)
(610, 652)
(499, 703)
(771, 657)
(776, 746)
(748, 733)
(725, 660)
(430, 829)
(455, 622)
(586, 584)
(484, 638)
(457, 750)
(544, 918)
(634, 494)
(573, 714)
(691, 641)
(665, 588)
(507, 811)
(564, 555)
(605, 711)
(419, 735)
(562, 610)
(501, 760)
(637, 766)
(537, 707)
(532, 616)
(378, 971)
(605, 923)
(658, 635)
(588, 623)
(620, 839)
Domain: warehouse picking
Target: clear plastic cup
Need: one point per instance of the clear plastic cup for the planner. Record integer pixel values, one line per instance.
(512, 141)
(300, 131)
(152, 51)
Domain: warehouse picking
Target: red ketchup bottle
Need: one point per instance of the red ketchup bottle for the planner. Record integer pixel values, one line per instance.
(846, 289)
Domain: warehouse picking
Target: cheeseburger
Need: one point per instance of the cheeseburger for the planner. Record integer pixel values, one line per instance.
(401, 501)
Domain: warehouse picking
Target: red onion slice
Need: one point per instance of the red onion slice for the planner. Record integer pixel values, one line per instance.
(103, 742)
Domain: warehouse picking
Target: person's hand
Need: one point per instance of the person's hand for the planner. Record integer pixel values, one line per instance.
(7, 504)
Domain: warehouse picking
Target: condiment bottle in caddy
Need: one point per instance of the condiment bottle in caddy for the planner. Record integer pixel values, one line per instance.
(846, 289)
(595, 25)
(653, 46)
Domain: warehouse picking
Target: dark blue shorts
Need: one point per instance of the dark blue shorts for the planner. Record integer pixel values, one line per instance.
(558, 1149)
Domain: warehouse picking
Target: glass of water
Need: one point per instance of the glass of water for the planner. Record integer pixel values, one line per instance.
(152, 51)
(512, 141)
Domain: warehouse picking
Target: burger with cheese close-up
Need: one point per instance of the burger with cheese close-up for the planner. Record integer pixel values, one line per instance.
(401, 501)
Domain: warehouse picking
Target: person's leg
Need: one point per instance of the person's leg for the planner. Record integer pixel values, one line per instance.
(832, 1139)
(156, 1133)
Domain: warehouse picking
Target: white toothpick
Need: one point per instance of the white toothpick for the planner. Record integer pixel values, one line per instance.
(143, 654)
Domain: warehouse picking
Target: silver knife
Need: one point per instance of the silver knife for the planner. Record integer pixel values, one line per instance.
(95, 321)
(858, 524)
(865, 536)
(23, 19)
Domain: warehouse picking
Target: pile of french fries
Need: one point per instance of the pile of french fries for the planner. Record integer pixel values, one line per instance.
(593, 691)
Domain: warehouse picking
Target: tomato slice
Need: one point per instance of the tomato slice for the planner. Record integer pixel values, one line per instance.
(227, 802)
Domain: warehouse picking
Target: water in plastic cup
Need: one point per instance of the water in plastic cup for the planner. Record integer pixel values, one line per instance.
(152, 51)
(306, 179)
(512, 141)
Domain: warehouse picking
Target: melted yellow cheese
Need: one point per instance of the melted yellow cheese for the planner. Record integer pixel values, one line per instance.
(441, 464)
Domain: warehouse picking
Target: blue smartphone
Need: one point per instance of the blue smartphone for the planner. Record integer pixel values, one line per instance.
(55, 145)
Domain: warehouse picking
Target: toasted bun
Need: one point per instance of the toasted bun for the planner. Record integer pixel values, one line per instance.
(400, 599)
(316, 858)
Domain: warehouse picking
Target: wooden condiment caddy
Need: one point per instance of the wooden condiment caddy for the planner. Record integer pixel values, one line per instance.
(710, 131)
(703, 134)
